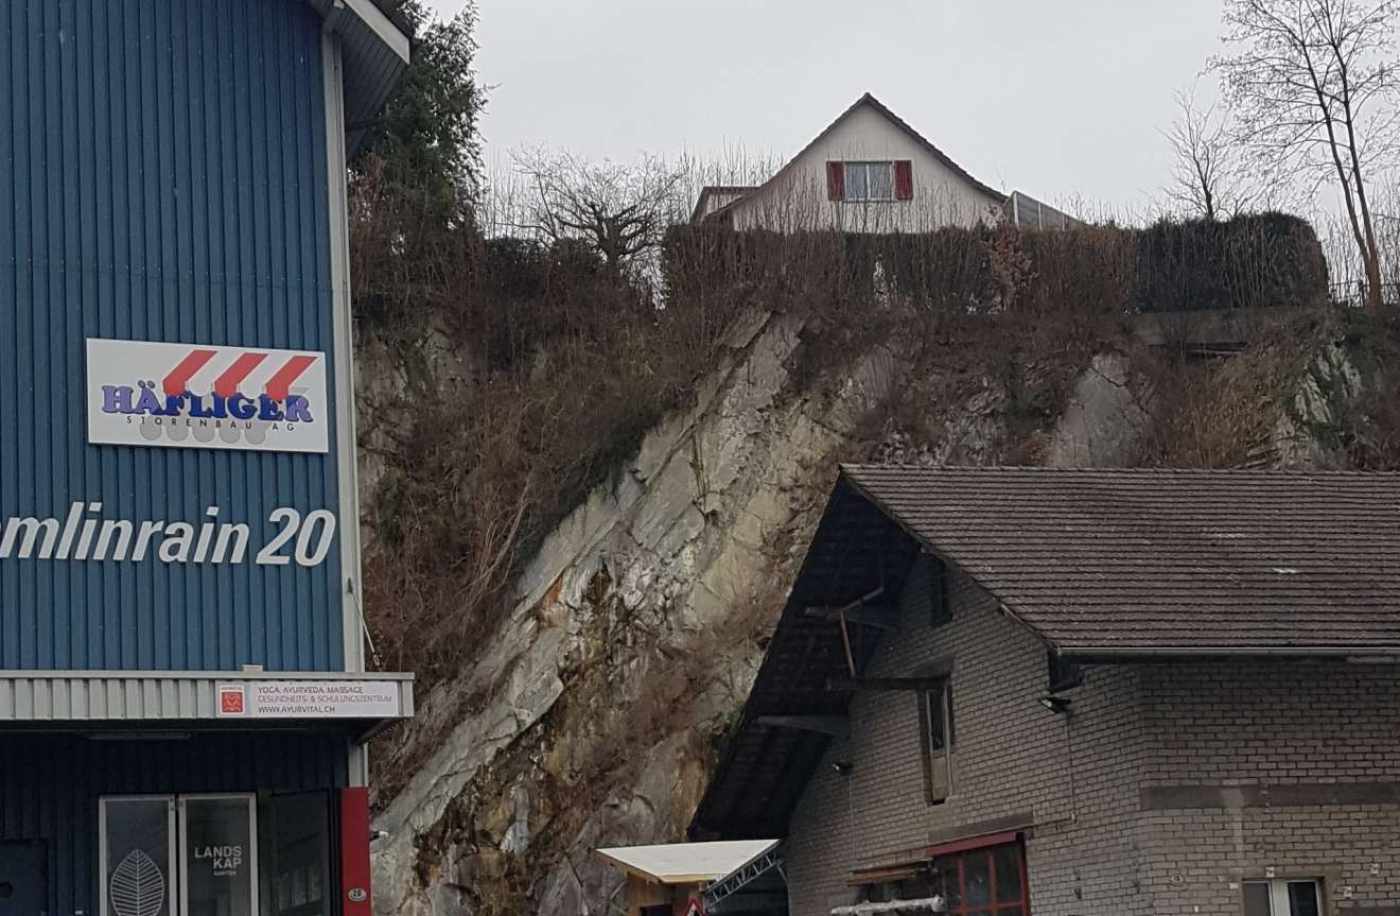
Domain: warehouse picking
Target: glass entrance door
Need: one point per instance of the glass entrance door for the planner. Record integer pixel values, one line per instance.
(136, 847)
(166, 855)
(218, 855)
(295, 853)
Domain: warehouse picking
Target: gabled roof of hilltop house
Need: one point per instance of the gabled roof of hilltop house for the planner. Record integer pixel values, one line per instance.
(869, 101)
(1102, 565)
(376, 48)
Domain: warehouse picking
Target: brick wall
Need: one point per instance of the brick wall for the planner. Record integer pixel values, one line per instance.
(1011, 761)
(1187, 778)
(1258, 765)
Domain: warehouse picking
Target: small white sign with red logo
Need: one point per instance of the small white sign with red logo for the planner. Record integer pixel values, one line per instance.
(189, 396)
(232, 700)
(295, 698)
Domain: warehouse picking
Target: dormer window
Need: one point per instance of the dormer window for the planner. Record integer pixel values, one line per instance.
(870, 180)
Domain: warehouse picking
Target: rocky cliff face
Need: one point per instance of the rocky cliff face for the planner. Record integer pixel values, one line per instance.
(591, 714)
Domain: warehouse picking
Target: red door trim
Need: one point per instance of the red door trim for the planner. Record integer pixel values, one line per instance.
(354, 852)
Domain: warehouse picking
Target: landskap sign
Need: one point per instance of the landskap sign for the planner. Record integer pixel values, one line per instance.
(185, 396)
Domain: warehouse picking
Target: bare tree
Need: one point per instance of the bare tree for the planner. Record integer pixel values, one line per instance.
(1314, 93)
(621, 211)
(1205, 179)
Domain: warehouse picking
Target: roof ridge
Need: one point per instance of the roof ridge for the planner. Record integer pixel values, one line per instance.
(1080, 469)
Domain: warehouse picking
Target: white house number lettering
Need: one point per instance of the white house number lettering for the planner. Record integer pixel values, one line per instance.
(86, 535)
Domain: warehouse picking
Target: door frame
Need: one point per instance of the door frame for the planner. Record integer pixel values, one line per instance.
(250, 799)
(172, 846)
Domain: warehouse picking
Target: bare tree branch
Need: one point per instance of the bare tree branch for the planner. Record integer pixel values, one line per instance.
(1313, 87)
(619, 211)
(1206, 179)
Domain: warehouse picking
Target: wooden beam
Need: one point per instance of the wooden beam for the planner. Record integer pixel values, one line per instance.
(835, 726)
(887, 684)
(876, 616)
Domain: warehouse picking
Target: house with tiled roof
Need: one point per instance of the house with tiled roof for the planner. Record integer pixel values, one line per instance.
(1078, 692)
(870, 171)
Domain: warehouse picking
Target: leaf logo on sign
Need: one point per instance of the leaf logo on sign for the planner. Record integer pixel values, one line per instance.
(138, 886)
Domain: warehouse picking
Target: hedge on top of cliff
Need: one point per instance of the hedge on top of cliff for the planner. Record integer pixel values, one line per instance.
(1255, 261)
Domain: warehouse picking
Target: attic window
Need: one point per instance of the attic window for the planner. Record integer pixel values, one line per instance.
(861, 182)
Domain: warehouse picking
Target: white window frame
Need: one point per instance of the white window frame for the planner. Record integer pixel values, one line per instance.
(1279, 904)
(182, 803)
(867, 165)
(177, 865)
(172, 844)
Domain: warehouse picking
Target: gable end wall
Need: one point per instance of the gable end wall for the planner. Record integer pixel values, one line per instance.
(1011, 763)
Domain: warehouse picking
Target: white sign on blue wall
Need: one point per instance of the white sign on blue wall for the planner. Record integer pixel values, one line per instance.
(190, 396)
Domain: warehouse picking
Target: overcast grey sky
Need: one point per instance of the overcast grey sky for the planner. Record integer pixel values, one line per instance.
(1054, 98)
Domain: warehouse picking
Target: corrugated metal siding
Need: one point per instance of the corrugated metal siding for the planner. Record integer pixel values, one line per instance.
(50, 786)
(162, 176)
(49, 697)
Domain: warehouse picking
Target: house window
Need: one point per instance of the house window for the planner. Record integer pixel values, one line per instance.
(940, 611)
(1283, 897)
(880, 180)
(936, 729)
(985, 882)
(869, 181)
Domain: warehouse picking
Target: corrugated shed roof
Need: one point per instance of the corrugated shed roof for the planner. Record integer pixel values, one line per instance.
(1103, 562)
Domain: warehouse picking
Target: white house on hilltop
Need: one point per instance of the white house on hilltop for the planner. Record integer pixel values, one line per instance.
(869, 171)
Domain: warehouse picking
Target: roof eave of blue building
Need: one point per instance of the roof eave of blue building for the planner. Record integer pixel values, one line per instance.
(375, 52)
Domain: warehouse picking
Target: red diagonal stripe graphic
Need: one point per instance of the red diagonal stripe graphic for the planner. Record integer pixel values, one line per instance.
(280, 385)
(178, 381)
(227, 384)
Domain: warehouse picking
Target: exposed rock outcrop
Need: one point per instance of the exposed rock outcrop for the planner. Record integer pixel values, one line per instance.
(589, 716)
(660, 583)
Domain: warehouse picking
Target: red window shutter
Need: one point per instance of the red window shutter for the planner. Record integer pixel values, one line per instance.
(903, 179)
(835, 180)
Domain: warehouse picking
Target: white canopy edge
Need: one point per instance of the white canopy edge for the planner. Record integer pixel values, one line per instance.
(686, 863)
(57, 697)
(930, 904)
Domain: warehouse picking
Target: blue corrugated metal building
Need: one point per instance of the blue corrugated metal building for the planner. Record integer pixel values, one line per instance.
(183, 701)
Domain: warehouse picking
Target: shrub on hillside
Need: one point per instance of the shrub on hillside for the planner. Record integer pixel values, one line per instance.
(1258, 261)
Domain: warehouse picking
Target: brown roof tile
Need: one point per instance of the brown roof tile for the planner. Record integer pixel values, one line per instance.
(1192, 561)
